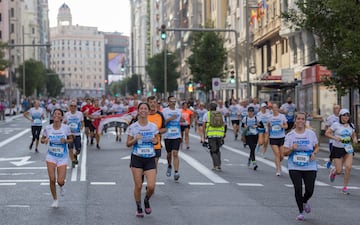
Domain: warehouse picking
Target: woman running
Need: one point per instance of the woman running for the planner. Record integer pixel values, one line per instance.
(301, 145)
(142, 136)
(342, 153)
(57, 135)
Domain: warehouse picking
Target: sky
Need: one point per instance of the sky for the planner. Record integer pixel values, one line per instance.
(106, 15)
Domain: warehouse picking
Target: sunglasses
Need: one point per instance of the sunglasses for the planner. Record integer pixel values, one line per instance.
(172, 101)
(346, 114)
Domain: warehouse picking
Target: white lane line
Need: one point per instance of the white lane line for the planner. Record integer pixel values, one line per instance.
(250, 185)
(22, 181)
(202, 169)
(7, 141)
(17, 206)
(15, 174)
(157, 183)
(7, 184)
(201, 183)
(83, 159)
(349, 187)
(24, 168)
(103, 183)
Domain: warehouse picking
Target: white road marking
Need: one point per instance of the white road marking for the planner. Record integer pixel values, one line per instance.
(349, 187)
(7, 141)
(15, 174)
(103, 183)
(157, 183)
(250, 184)
(83, 159)
(201, 183)
(17, 206)
(23, 181)
(24, 168)
(7, 184)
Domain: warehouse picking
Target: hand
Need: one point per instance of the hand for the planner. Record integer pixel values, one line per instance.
(63, 140)
(138, 136)
(154, 140)
(294, 146)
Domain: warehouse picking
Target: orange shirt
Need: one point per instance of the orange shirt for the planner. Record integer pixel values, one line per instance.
(159, 121)
(186, 115)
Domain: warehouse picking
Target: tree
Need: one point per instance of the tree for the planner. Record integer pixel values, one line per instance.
(35, 73)
(155, 69)
(129, 85)
(3, 63)
(335, 24)
(208, 57)
(53, 84)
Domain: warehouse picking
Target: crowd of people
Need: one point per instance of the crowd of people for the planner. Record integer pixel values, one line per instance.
(281, 126)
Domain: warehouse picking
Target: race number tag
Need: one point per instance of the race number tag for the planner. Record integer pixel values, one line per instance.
(349, 148)
(301, 158)
(56, 149)
(173, 130)
(144, 151)
(37, 121)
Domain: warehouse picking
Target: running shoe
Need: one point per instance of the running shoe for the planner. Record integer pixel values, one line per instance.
(249, 163)
(62, 191)
(328, 164)
(147, 206)
(176, 176)
(168, 171)
(55, 204)
(218, 168)
(92, 141)
(139, 212)
(31, 145)
(307, 207)
(188, 147)
(255, 166)
(278, 173)
(98, 146)
(300, 217)
(345, 191)
(236, 136)
(36, 150)
(332, 175)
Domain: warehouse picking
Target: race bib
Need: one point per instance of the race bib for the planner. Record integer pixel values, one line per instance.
(73, 127)
(301, 158)
(349, 148)
(37, 121)
(252, 131)
(144, 151)
(276, 128)
(56, 149)
(173, 130)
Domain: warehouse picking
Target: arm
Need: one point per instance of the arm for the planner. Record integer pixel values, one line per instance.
(330, 134)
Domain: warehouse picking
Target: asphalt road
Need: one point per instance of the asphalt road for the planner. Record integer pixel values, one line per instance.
(100, 189)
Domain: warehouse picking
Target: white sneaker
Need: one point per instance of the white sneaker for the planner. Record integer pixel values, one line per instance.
(62, 191)
(55, 204)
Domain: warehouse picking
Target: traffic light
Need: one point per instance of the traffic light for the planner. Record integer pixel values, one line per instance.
(163, 32)
(105, 81)
(190, 87)
(232, 78)
(122, 68)
(138, 91)
(154, 89)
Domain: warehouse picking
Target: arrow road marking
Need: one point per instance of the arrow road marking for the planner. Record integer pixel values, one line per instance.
(23, 160)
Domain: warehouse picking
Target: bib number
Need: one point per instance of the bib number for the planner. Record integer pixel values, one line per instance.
(349, 148)
(144, 151)
(301, 158)
(37, 121)
(56, 150)
(173, 130)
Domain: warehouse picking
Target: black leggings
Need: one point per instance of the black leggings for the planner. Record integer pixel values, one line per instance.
(251, 141)
(309, 177)
(35, 130)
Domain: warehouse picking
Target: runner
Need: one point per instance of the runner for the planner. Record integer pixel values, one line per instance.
(35, 115)
(301, 145)
(85, 110)
(75, 120)
(263, 115)
(94, 115)
(250, 124)
(142, 136)
(234, 112)
(289, 110)
(158, 119)
(343, 133)
(329, 121)
(199, 114)
(187, 115)
(172, 137)
(57, 135)
(276, 126)
(51, 107)
(117, 108)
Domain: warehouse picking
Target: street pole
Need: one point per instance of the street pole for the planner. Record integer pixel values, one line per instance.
(218, 30)
(165, 70)
(247, 53)
(23, 57)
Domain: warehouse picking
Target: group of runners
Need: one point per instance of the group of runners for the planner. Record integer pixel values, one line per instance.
(286, 130)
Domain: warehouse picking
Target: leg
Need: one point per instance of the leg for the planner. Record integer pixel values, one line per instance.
(187, 137)
(51, 167)
(348, 158)
(175, 159)
(276, 152)
(309, 178)
(296, 178)
(137, 176)
(61, 171)
(151, 181)
(266, 142)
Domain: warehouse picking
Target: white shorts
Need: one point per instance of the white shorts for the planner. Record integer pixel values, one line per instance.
(56, 160)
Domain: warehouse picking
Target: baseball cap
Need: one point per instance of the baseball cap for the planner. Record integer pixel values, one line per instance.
(263, 105)
(251, 109)
(344, 111)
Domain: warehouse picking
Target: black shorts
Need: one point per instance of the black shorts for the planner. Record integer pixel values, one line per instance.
(92, 128)
(172, 144)
(237, 122)
(87, 123)
(157, 153)
(184, 127)
(338, 153)
(290, 125)
(76, 143)
(277, 141)
(142, 163)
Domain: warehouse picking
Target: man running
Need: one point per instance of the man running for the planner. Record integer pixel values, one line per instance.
(172, 137)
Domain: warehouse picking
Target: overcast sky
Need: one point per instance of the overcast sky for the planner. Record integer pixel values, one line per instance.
(107, 15)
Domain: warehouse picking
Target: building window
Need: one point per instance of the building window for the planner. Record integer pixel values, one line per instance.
(0, 16)
(12, 12)
(12, 28)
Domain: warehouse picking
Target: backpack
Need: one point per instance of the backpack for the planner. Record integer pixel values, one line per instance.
(216, 119)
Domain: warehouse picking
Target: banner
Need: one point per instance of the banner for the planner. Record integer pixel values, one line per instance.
(117, 120)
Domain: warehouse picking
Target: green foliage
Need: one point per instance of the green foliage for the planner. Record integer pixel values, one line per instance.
(155, 69)
(208, 57)
(129, 85)
(335, 24)
(3, 62)
(53, 84)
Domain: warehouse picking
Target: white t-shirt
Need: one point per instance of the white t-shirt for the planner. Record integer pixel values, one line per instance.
(55, 147)
(74, 121)
(36, 115)
(145, 147)
(173, 126)
(343, 131)
(275, 129)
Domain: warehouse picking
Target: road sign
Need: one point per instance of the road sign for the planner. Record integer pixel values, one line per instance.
(227, 86)
(216, 83)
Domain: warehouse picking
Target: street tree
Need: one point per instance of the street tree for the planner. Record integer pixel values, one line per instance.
(53, 84)
(3, 62)
(35, 73)
(208, 57)
(155, 69)
(128, 85)
(335, 25)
